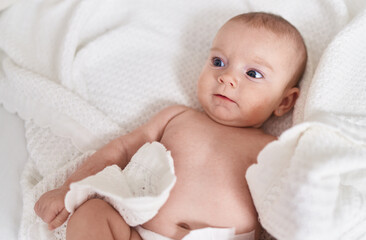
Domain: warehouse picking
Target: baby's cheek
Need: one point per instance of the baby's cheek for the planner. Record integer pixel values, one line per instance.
(203, 87)
(260, 108)
(202, 97)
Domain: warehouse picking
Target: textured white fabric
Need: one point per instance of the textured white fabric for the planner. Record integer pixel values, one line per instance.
(82, 72)
(137, 192)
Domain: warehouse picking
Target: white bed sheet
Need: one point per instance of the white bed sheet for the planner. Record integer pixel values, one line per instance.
(13, 156)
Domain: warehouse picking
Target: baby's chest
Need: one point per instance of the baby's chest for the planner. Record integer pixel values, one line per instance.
(200, 142)
(209, 161)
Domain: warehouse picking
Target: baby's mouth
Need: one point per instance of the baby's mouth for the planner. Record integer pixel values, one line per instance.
(224, 97)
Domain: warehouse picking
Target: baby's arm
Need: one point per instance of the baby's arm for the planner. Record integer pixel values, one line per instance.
(51, 208)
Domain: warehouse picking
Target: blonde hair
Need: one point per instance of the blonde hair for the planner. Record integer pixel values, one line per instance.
(280, 26)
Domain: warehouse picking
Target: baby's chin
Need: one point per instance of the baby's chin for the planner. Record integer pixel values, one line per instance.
(228, 116)
(227, 121)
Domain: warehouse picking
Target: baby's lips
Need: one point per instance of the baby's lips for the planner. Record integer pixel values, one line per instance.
(224, 97)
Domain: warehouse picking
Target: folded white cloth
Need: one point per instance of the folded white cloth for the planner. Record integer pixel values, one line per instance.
(310, 184)
(137, 192)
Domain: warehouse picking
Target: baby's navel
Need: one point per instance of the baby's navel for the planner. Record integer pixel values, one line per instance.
(184, 225)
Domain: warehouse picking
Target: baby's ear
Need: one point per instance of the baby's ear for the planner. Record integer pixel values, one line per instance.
(288, 101)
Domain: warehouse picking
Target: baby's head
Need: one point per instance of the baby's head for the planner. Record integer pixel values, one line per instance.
(252, 71)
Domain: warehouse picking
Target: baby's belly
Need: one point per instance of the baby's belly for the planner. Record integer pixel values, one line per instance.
(205, 198)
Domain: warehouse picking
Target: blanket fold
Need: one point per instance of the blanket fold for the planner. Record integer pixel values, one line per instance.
(63, 112)
(136, 192)
(314, 184)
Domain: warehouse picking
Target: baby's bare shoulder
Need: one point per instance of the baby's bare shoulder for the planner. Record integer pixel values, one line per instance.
(168, 113)
(173, 110)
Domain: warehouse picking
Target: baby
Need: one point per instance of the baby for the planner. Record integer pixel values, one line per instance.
(252, 71)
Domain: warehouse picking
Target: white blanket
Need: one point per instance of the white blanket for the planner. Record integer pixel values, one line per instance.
(83, 72)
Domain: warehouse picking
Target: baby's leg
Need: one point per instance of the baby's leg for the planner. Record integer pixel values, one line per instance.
(96, 219)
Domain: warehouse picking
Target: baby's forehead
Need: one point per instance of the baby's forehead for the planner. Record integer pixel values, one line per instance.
(237, 34)
(234, 26)
(283, 33)
(268, 23)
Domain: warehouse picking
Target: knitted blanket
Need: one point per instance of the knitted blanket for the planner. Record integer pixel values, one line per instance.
(82, 72)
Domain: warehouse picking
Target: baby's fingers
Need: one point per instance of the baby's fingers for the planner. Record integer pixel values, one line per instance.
(47, 212)
(59, 219)
(41, 211)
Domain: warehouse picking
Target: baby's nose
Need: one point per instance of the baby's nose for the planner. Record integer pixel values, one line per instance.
(228, 80)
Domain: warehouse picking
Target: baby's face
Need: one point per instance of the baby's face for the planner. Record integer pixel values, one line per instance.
(246, 75)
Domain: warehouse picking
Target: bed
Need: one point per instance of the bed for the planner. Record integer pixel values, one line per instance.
(13, 161)
(76, 74)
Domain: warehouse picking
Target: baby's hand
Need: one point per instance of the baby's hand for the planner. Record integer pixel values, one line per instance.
(51, 208)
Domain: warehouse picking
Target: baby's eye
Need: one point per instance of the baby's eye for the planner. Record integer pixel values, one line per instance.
(254, 74)
(217, 62)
